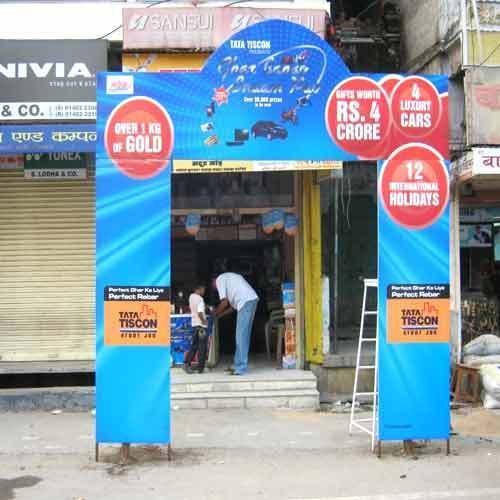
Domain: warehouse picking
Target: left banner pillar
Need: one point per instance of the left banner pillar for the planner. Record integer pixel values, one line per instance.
(133, 188)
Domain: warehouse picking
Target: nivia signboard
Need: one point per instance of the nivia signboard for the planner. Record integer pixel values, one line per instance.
(274, 91)
(55, 166)
(49, 79)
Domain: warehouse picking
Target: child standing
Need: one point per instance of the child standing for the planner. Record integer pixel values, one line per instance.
(199, 323)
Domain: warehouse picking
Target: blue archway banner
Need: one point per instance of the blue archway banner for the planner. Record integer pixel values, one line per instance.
(274, 91)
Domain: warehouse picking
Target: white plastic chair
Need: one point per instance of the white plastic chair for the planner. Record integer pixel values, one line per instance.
(275, 324)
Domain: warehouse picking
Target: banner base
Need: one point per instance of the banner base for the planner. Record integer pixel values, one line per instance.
(125, 453)
(408, 446)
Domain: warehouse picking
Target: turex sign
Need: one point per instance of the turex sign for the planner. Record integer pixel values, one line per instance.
(55, 166)
(203, 28)
(50, 80)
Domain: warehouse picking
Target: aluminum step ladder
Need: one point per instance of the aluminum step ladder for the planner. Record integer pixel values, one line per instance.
(368, 425)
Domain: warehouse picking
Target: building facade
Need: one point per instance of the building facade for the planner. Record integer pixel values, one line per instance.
(462, 39)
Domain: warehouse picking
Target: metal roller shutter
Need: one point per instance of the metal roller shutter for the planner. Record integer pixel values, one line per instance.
(47, 274)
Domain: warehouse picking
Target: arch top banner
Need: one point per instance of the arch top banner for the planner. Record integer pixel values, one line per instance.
(274, 91)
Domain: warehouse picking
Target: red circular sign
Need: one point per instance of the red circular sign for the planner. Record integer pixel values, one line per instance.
(416, 107)
(383, 149)
(389, 83)
(357, 115)
(139, 137)
(414, 186)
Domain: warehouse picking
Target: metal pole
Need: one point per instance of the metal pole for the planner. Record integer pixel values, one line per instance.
(125, 453)
(336, 266)
(375, 384)
(478, 30)
(465, 38)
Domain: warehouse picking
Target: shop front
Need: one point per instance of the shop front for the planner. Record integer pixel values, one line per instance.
(47, 222)
(478, 174)
(232, 235)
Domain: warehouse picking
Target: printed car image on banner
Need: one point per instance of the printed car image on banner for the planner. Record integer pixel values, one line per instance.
(414, 295)
(272, 94)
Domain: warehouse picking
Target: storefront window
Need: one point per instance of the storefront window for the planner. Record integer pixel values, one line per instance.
(479, 271)
(349, 254)
(476, 255)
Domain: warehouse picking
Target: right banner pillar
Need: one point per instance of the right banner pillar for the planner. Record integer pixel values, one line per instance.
(414, 295)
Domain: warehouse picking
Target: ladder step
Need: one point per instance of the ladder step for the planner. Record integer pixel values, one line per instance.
(367, 367)
(363, 420)
(368, 340)
(361, 427)
(370, 313)
(364, 394)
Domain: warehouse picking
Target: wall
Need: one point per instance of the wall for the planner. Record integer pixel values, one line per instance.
(419, 27)
(483, 48)
(482, 88)
(431, 39)
(336, 382)
(429, 28)
(483, 42)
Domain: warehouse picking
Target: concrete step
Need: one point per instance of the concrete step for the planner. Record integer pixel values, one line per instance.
(258, 389)
(48, 399)
(83, 399)
(267, 388)
(235, 385)
(291, 398)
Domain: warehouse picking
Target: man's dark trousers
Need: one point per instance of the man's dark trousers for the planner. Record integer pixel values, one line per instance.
(199, 345)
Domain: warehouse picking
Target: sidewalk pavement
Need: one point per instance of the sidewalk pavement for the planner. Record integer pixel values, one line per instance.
(239, 454)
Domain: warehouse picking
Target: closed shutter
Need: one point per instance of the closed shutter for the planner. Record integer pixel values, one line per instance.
(47, 268)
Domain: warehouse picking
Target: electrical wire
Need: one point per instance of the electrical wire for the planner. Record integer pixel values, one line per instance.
(348, 216)
(235, 2)
(110, 33)
(489, 55)
(342, 208)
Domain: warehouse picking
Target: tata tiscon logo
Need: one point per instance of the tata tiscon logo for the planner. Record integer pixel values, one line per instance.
(45, 70)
